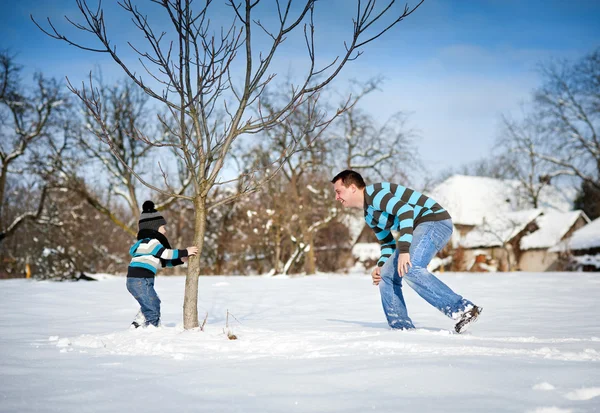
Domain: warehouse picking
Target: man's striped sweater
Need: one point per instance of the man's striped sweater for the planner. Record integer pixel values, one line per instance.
(148, 254)
(390, 207)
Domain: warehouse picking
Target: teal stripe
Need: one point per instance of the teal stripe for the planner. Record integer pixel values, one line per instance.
(134, 247)
(414, 198)
(382, 220)
(429, 203)
(391, 205)
(417, 210)
(405, 238)
(427, 213)
(385, 185)
(156, 249)
(377, 200)
(370, 189)
(406, 223)
(404, 208)
(400, 191)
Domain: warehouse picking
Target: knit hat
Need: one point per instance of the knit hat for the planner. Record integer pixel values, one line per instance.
(150, 217)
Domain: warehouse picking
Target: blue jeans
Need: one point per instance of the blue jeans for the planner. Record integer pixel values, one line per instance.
(428, 238)
(143, 291)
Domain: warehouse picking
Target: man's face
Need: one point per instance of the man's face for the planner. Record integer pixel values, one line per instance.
(346, 195)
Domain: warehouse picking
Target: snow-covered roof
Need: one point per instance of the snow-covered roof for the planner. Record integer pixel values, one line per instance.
(584, 238)
(553, 226)
(501, 228)
(469, 199)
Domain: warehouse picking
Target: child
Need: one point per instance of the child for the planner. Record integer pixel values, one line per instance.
(151, 250)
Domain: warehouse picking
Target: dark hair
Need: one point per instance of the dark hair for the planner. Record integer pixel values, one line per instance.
(348, 178)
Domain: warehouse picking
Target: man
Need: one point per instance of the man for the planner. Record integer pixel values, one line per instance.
(425, 228)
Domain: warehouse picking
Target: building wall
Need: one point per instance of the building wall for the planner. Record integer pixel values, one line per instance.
(499, 257)
(538, 260)
(542, 260)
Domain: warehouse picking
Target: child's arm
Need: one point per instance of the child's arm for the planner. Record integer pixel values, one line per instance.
(159, 251)
(173, 262)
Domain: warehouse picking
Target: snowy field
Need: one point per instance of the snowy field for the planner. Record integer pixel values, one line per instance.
(306, 344)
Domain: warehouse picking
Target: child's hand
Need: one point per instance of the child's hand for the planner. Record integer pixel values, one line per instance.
(192, 251)
(184, 259)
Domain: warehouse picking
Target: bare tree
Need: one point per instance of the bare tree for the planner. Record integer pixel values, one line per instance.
(209, 108)
(26, 119)
(385, 151)
(126, 115)
(569, 105)
(520, 142)
(305, 176)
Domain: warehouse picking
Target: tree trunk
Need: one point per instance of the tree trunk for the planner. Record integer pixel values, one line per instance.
(3, 174)
(277, 259)
(190, 301)
(310, 265)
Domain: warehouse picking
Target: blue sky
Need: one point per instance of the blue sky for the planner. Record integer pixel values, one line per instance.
(456, 66)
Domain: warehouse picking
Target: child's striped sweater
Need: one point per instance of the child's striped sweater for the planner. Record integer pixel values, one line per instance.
(148, 254)
(394, 207)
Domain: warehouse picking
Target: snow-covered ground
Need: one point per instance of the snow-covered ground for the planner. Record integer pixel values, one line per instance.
(306, 344)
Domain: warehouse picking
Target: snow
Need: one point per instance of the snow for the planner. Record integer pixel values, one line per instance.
(586, 259)
(437, 262)
(305, 344)
(469, 199)
(365, 251)
(553, 226)
(584, 238)
(584, 394)
(544, 386)
(499, 229)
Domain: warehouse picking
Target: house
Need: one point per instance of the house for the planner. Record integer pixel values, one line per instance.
(499, 238)
(582, 248)
(554, 227)
(470, 199)
(488, 215)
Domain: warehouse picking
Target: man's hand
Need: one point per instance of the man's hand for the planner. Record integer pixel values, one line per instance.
(404, 263)
(376, 275)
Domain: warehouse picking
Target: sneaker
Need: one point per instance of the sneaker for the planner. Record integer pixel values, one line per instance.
(467, 319)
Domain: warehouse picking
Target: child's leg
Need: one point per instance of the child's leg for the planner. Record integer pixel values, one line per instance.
(143, 291)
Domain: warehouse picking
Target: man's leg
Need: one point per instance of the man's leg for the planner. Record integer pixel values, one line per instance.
(428, 239)
(143, 291)
(392, 299)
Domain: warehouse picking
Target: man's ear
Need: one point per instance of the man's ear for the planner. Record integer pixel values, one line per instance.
(353, 188)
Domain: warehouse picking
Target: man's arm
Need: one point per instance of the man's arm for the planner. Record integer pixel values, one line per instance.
(398, 205)
(405, 213)
(387, 244)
